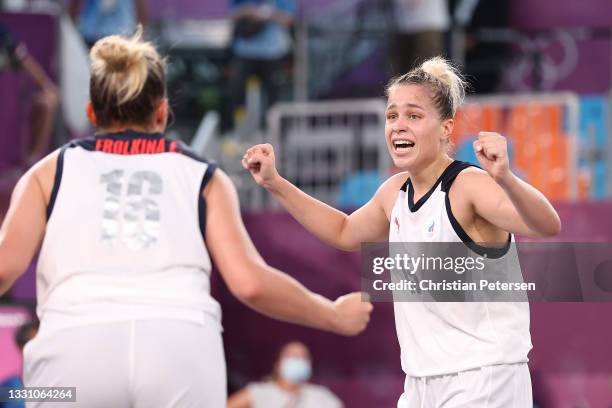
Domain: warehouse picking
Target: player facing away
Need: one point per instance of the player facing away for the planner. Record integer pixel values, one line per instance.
(127, 223)
(453, 354)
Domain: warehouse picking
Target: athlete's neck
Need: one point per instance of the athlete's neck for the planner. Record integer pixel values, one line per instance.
(119, 128)
(423, 179)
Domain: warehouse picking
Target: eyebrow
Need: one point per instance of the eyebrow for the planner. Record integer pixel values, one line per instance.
(406, 105)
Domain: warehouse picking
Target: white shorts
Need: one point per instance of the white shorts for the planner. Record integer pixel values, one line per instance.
(139, 363)
(496, 386)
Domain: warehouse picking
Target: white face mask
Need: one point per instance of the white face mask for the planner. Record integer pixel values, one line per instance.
(295, 369)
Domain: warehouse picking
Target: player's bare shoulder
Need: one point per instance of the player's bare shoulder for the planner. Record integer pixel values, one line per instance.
(473, 181)
(387, 192)
(43, 173)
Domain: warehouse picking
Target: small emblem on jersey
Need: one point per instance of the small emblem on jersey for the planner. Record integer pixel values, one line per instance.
(397, 225)
(431, 225)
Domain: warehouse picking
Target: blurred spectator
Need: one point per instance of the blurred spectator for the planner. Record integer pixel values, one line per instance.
(100, 18)
(419, 33)
(288, 387)
(24, 333)
(485, 59)
(260, 46)
(14, 55)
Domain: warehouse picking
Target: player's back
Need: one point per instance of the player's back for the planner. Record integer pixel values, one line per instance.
(125, 233)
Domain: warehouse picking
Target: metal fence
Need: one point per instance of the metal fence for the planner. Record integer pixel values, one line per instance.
(321, 145)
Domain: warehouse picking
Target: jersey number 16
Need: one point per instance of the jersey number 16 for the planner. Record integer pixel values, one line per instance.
(131, 215)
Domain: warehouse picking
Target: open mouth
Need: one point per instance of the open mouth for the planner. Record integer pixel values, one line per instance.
(402, 145)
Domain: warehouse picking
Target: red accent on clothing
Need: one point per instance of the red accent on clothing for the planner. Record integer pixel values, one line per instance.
(135, 146)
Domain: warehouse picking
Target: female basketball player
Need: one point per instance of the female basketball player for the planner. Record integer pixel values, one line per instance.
(125, 223)
(453, 354)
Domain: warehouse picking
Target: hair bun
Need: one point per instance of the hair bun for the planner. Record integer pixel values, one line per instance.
(117, 56)
(442, 70)
(127, 58)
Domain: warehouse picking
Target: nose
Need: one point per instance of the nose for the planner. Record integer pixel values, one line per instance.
(399, 125)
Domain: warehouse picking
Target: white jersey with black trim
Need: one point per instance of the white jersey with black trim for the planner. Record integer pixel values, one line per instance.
(125, 234)
(438, 338)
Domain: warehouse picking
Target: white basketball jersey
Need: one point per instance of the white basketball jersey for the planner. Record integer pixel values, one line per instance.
(125, 234)
(439, 338)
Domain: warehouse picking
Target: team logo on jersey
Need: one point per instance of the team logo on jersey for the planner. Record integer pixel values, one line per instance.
(431, 225)
(397, 224)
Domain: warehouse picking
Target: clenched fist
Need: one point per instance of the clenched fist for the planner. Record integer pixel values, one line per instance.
(260, 162)
(352, 313)
(492, 152)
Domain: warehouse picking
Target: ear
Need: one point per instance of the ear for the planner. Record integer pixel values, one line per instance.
(447, 128)
(161, 112)
(91, 115)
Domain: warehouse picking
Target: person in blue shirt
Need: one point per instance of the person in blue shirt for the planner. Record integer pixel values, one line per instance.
(260, 46)
(100, 18)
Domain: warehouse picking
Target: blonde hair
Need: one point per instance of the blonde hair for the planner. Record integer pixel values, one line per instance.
(127, 79)
(443, 79)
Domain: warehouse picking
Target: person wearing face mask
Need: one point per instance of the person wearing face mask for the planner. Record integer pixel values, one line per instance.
(288, 386)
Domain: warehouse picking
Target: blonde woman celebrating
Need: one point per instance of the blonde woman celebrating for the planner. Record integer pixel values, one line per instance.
(453, 354)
